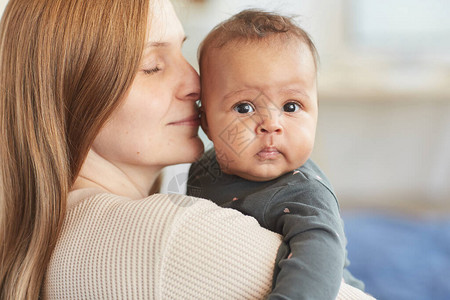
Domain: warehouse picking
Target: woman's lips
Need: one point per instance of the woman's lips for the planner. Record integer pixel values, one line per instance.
(269, 153)
(189, 121)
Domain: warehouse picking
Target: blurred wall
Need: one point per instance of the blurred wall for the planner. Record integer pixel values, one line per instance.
(2, 5)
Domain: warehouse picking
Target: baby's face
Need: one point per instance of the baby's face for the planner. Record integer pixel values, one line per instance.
(260, 102)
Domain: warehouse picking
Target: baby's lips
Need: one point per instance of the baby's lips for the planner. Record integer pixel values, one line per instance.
(269, 153)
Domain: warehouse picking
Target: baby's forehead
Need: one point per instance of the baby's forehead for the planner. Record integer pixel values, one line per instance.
(274, 42)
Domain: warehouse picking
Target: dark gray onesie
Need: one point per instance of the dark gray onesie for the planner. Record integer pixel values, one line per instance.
(301, 206)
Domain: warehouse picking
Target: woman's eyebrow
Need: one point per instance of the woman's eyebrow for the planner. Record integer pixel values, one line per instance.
(161, 44)
(156, 44)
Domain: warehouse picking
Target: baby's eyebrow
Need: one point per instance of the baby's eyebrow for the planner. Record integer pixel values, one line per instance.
(231, 94)
(234, 93)
(294, 91)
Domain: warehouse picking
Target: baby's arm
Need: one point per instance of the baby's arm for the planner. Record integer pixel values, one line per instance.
(308, 218)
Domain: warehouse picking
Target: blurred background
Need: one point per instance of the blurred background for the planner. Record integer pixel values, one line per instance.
(383, 135)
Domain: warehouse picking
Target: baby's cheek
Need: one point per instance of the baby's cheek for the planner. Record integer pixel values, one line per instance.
(225, 159)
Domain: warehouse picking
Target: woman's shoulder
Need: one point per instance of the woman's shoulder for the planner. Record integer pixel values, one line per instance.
(96, 209)
(88, 201)
(108, 241)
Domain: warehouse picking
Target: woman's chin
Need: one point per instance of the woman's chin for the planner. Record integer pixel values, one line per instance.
(192, 151)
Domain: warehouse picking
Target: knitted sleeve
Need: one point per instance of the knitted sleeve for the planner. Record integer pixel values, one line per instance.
(217, 253)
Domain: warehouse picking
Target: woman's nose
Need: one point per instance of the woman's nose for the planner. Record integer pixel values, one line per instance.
(189, 82)
(269, 124)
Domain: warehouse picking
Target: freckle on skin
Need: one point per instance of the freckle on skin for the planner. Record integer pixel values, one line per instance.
(138, 153)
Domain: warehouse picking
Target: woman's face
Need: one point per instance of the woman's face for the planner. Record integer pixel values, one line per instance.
(157, 123)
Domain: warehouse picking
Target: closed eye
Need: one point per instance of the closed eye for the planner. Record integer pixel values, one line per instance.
(152, 71)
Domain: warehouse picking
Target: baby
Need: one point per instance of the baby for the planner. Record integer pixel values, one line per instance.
(259, 108)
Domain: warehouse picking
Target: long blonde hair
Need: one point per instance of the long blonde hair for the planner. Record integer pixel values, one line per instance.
(64, 67)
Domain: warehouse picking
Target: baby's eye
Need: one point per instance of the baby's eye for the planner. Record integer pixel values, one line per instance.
(244, 108)
(291, 107)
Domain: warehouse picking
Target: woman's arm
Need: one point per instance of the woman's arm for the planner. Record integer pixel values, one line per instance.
(217, 253)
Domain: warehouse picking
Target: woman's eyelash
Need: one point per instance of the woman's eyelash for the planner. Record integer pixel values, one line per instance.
(152, 71)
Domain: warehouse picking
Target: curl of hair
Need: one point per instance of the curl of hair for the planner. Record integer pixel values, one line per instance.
(64, 67)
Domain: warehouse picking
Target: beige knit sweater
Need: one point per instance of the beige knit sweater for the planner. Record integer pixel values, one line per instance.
(161, 247)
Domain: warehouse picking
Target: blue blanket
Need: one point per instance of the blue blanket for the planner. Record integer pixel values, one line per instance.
(399, 257)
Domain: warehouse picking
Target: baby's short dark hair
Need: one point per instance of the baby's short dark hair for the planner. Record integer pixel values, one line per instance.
(252, 25)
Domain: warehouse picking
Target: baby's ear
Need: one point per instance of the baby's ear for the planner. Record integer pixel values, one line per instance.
(203, 120)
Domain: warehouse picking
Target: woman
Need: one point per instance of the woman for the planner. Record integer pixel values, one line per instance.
(96, 98)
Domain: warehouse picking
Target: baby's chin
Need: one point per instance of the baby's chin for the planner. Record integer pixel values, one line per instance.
(258, 175)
